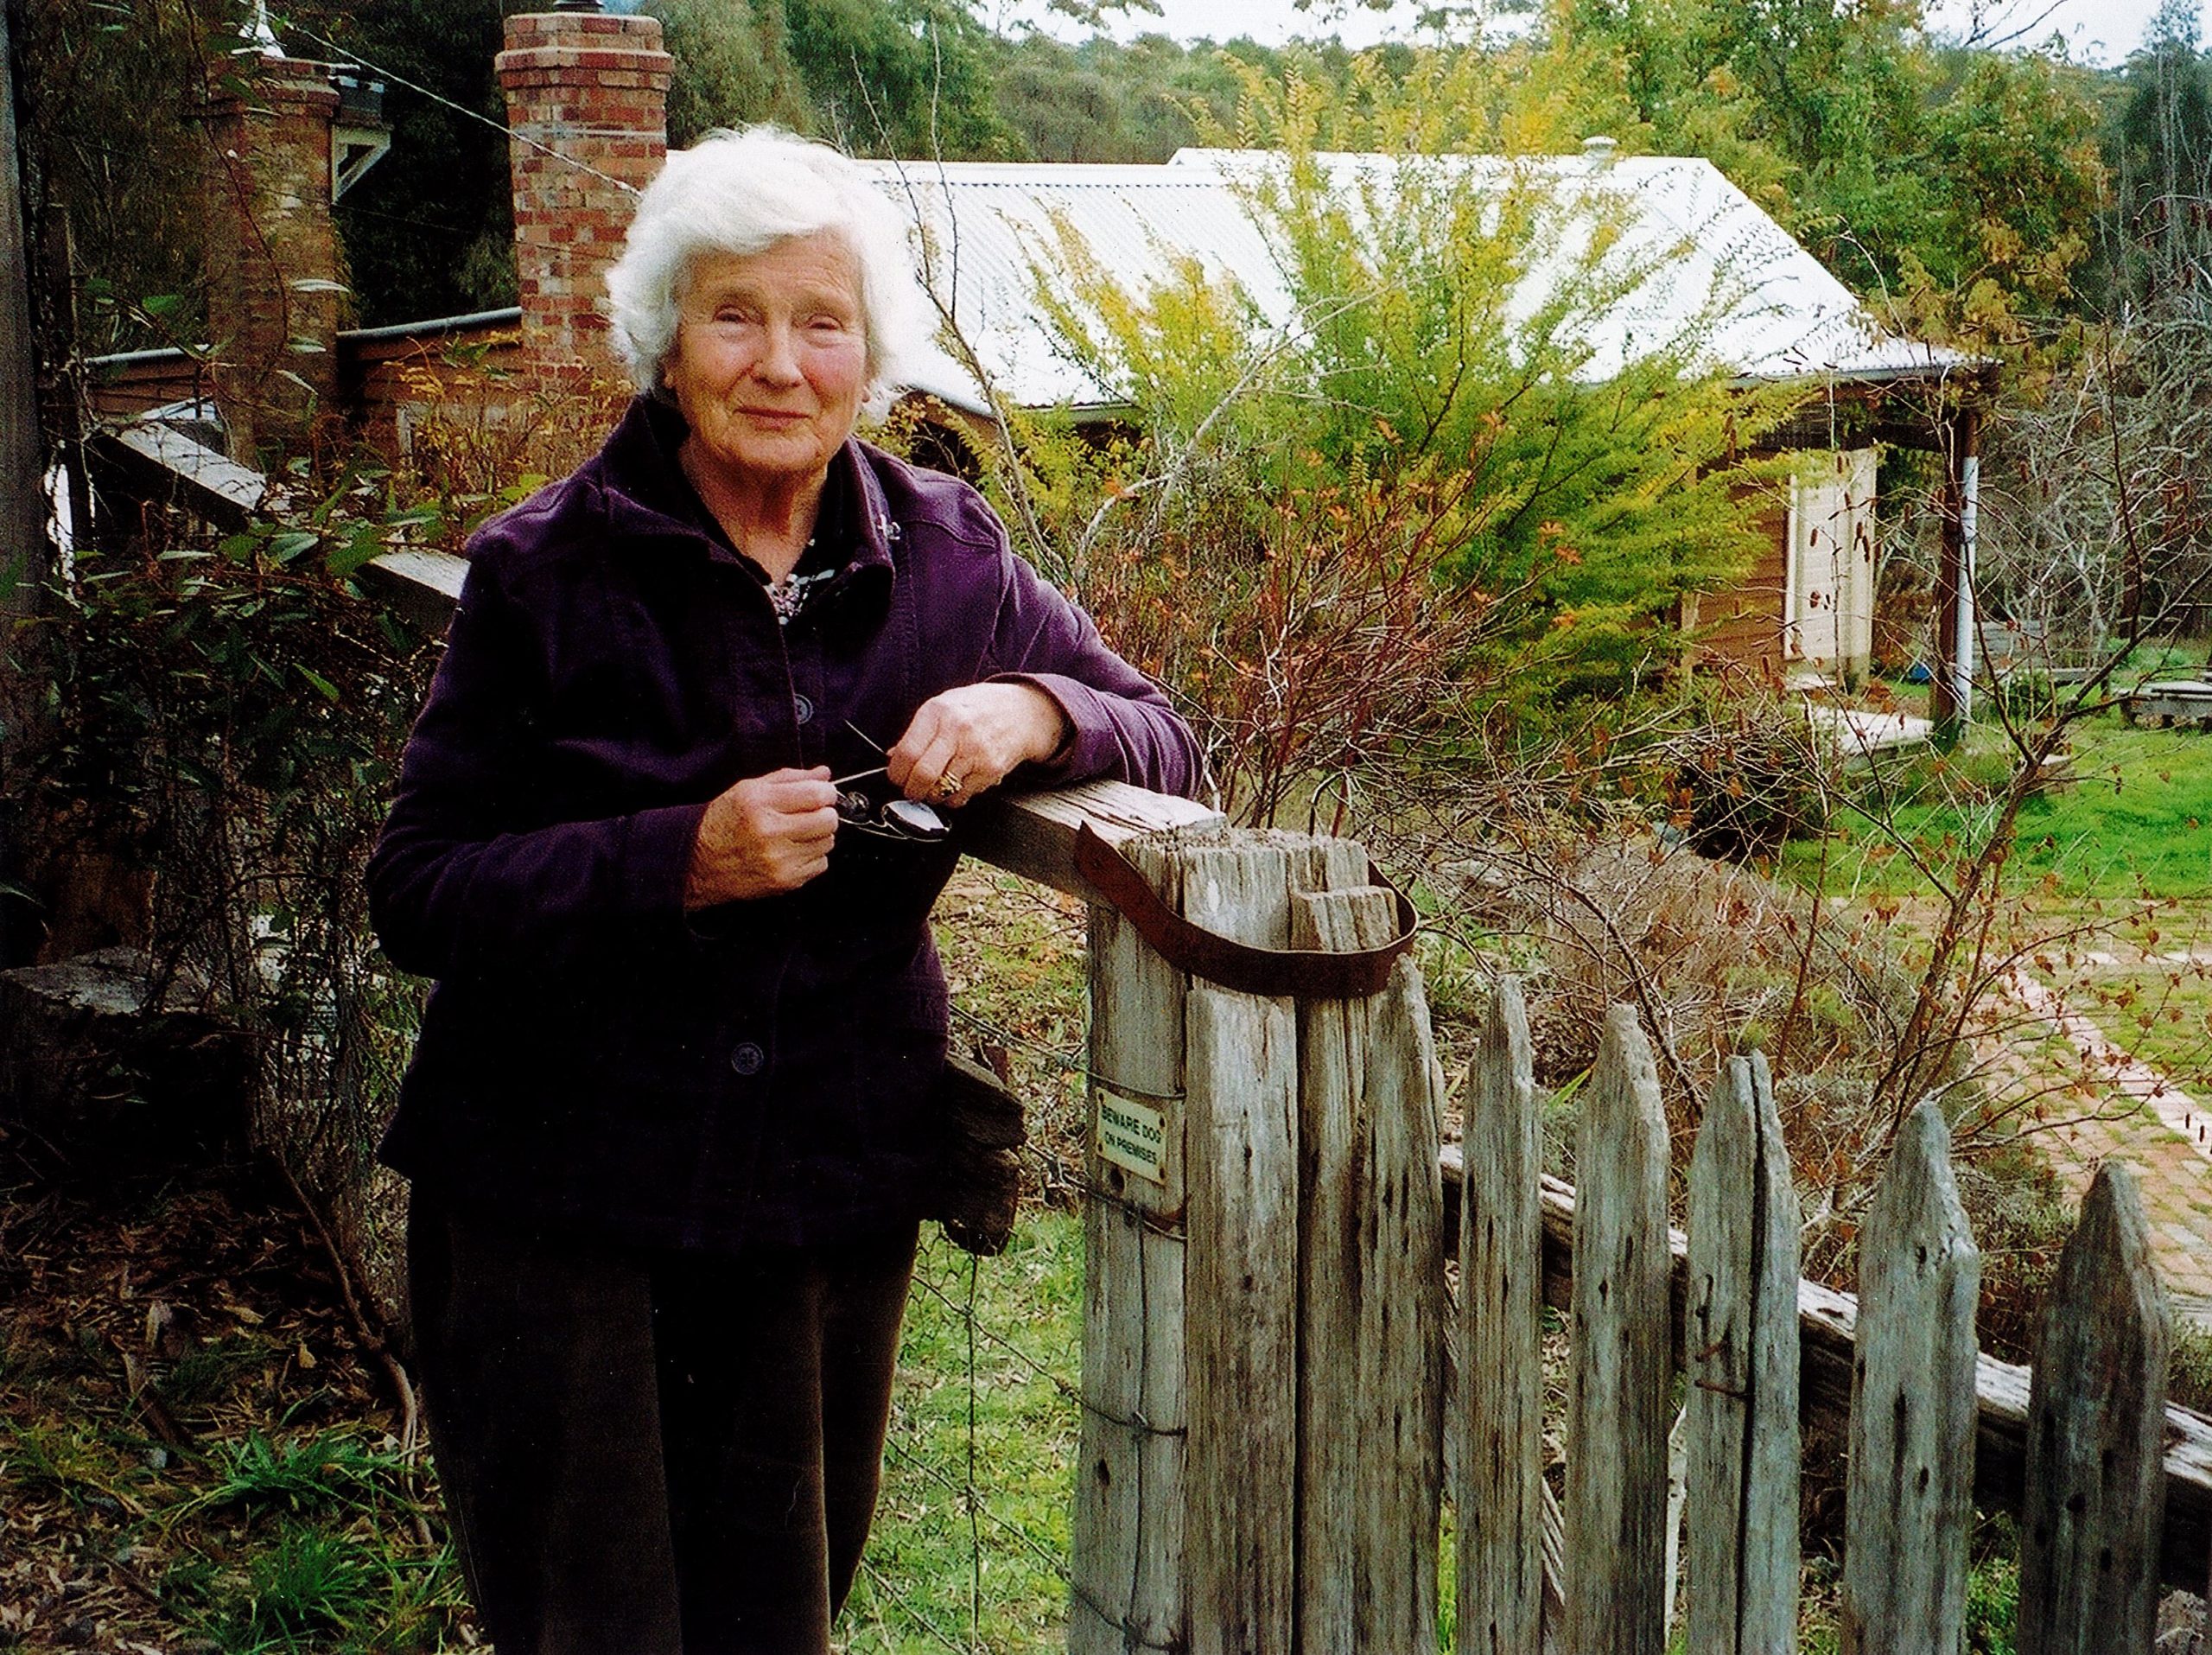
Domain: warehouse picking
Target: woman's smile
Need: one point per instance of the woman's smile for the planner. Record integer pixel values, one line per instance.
(769, 365)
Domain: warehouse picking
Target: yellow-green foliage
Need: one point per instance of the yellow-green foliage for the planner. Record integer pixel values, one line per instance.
(1422, 363)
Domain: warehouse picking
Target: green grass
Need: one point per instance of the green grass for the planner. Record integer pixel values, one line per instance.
(311, 1588)
(935, 1576)
(301, 1561)
(72, 1459)
(312, 1584)
(2140, 818)
(2188, 1379)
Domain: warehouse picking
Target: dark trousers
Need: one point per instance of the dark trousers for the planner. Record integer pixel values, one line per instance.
(654, 1453)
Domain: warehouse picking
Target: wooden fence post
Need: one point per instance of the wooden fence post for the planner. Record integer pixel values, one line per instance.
(1370, 1394)
(1500, 1396)
(1127, 1528)
(1910, 1500)
(1332, 1059)
(1205, 1434)
(1241, 1269)
(1740, 1347)
(2096, 1489)
(1617, 1412)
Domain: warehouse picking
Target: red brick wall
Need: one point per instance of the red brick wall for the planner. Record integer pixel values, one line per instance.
(274, 304)
(120, 390)
(588, 89)
(393, 385)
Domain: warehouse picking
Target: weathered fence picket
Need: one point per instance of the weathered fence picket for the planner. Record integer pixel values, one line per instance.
(1500, 1406)
(1127, 1528)
(1826, 1324)
(1617, 1417)
(1241, 1280)
(1739, 1342)
(1396, 1443)
(2098, 1444)
(1909, 1501)
(2096, 1484)
(1333, 1040)
(1370, 1224)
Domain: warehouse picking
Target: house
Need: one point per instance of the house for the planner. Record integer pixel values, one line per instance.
(586, 97)
(1695, 252)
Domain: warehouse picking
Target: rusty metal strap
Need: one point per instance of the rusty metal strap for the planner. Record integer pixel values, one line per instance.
(1305, 973)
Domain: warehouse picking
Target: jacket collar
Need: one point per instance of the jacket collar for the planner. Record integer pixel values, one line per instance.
(646, 496)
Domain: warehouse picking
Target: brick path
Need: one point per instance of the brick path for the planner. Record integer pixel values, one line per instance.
(2177, 1195)
(2166, 1140)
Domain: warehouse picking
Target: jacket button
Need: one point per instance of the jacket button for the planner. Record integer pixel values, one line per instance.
(802, 708)
(747, 1058)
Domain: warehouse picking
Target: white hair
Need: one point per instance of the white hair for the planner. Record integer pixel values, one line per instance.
(741, 194)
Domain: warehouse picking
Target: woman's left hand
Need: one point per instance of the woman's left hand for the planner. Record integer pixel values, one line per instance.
(966, 740)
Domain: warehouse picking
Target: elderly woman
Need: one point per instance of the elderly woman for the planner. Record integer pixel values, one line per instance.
(669, 1122)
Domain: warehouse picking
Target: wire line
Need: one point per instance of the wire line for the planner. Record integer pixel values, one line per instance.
(356, 60)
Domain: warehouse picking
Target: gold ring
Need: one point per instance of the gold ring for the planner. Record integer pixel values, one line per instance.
(948, 784)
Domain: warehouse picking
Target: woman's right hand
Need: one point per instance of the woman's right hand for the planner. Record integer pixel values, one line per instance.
(765, 835)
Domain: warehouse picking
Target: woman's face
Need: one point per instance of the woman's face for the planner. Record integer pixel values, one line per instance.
(771, 360)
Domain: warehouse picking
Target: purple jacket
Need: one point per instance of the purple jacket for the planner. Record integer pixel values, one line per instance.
(760, 1072)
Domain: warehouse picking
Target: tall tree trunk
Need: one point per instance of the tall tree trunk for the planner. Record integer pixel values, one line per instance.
(26, 552)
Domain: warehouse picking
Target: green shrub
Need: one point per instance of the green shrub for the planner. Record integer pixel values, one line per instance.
(227, 714)
(1411, 520)
(1747, 777)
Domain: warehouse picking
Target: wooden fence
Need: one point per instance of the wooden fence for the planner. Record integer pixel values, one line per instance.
(1275, 1379)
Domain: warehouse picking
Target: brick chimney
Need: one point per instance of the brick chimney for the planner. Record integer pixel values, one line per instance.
(274, 296)
(587, 104)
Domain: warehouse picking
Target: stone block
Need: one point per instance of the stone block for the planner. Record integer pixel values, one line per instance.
(114, 1078)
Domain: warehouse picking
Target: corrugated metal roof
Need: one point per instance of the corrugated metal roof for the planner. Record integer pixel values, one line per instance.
(1706, 262)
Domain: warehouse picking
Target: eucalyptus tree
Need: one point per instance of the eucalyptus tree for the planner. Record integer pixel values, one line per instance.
(734, 66)
(2161, 249)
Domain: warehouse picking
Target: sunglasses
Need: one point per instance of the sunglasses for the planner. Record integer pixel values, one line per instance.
(890, 817)
(894, 817)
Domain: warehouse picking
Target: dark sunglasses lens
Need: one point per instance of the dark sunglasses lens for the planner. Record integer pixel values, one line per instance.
(915, 819)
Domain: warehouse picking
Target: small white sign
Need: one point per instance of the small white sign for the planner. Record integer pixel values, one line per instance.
(1132, 1138)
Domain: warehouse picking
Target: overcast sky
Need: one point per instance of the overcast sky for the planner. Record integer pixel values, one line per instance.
(2096, 31)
